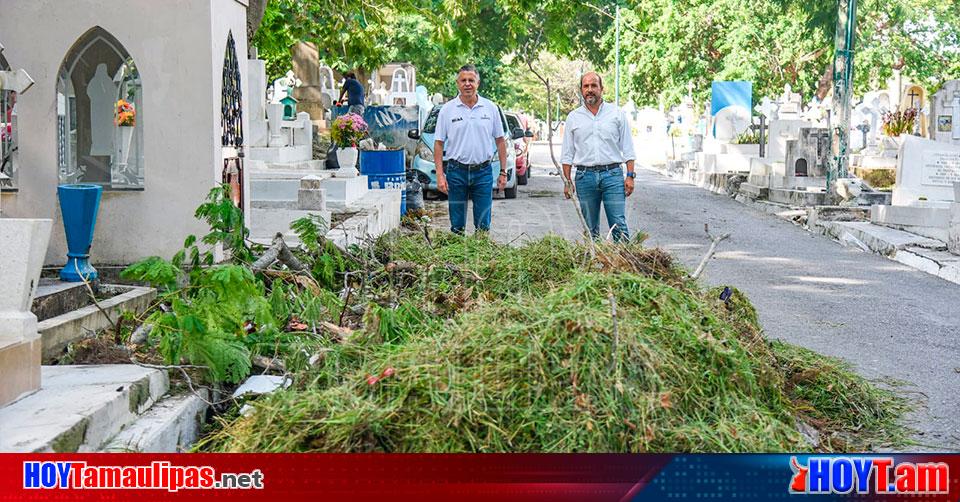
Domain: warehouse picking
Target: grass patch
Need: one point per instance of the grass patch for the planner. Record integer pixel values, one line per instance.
(472, 346)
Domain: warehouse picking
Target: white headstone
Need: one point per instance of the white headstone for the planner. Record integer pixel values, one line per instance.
(401, 92)
(780, 131)
(283, 86)
(730, 122)
(398, 82)
(789, 104)
(380, 95)
(257, 89)
(103, 95)
(926, 170)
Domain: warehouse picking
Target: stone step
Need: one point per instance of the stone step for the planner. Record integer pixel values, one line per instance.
(797, 197)
(171, 425)
(57, 332)
(79, 408)
(757, 192)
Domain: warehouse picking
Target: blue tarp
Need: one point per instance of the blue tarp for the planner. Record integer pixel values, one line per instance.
(388, 124)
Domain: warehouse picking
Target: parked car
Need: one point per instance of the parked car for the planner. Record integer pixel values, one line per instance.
(521, 146)
(423, 155)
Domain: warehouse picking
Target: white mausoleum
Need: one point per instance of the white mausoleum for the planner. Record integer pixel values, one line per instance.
(181, 63)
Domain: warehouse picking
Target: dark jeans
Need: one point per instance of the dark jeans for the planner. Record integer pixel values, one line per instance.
(476, 185)
(594, 187)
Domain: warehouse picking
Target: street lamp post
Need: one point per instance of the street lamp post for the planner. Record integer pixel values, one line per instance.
(842, 88)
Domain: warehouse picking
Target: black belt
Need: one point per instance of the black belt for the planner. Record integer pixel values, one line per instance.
(468, 167)
(604, 167)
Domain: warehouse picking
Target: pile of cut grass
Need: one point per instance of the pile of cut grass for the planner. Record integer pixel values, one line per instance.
(539, 362)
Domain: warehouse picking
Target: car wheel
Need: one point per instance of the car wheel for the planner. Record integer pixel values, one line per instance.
(510, 193)
(522, 178)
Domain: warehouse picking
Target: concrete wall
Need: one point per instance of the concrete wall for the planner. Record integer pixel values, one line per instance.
(178, 47)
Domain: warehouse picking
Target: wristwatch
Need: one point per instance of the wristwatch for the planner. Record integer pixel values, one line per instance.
(631, 175)
(503, 173)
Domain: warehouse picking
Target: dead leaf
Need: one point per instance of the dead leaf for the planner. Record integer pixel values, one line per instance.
(665, 400)
(649, 436)
(338, 332)
(582, 401)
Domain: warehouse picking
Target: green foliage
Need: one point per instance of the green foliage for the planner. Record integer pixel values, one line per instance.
(309, 230)
(747, 138)
(156, 271)
(208, 310)
(206, 322)
(774, 42)
(326, 262)
(226, 226)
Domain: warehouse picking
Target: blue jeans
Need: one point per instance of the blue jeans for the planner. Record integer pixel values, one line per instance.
(477, 186)
(594, 187)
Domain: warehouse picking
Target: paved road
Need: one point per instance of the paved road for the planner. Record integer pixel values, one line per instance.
(887, 319)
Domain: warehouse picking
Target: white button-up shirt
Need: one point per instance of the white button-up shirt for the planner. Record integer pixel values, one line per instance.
(469, 134)
(596, 140)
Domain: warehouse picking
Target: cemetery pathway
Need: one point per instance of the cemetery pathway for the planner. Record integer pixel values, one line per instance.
(888, 320)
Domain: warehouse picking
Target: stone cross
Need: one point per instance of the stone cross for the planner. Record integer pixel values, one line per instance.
(766, 108)
(398, 83)
(789, 103)
(283, 86)
(914, 98)
(864, 128)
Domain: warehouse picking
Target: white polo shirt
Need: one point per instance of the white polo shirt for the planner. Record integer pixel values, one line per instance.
(468, 134)
(596, 140)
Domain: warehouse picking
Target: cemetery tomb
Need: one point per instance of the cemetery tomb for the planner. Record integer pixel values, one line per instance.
(945, 113)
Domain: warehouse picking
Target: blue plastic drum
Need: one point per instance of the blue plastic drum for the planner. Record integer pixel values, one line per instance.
(385, 169)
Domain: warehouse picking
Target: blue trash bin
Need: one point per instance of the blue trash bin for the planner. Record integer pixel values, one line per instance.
(385, 169)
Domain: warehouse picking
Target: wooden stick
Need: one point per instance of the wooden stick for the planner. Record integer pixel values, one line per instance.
(713, 249)
(278, 251)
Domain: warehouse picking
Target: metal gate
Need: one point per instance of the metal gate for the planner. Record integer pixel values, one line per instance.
(231, 122)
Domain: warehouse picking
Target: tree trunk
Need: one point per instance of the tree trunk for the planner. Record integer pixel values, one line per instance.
(825, 82)
(255, 11)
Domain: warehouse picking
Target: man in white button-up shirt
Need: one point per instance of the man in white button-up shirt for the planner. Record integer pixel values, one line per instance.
(597, 140)
(461, 152)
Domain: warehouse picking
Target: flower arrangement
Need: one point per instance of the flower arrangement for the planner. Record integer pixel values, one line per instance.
(348, 130)
(899, 122)
(125, 115)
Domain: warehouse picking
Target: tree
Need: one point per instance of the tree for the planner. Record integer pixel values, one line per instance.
(775, 42)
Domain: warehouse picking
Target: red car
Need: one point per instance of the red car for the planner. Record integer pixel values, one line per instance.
(521, 145)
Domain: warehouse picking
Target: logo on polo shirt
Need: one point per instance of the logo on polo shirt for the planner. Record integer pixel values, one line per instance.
(458, 119)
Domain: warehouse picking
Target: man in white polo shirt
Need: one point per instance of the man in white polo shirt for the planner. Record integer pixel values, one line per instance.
(462, 152)
(597, 141)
